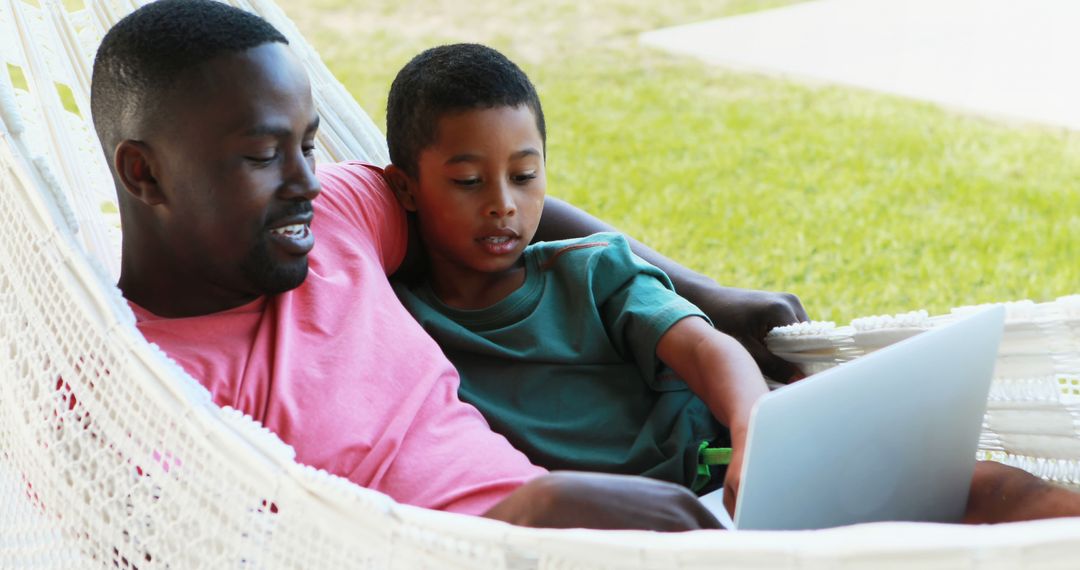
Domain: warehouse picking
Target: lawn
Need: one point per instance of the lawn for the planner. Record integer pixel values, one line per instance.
(858, 202)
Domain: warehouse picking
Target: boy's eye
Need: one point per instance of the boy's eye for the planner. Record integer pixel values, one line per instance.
(524, 177)
(472, 181)
(308, 149)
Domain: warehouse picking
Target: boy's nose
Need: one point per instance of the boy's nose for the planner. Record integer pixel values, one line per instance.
(502, 203)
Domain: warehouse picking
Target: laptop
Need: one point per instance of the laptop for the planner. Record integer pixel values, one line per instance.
(890, 436)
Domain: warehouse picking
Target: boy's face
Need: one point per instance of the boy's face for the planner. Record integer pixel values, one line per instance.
(481, 189)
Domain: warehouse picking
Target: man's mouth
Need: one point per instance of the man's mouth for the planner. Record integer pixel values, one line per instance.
(295, 239)
(291, 231)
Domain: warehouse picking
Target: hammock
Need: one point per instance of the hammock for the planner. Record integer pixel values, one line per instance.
(112, 456)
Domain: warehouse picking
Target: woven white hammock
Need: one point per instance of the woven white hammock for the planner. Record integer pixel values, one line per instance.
(112, 456)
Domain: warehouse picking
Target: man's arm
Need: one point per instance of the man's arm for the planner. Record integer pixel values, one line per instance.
(745, 314)
(566, 499)
(1000, 493)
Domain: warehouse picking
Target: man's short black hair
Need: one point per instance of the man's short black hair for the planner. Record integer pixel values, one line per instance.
(146, 51)
(449, 79)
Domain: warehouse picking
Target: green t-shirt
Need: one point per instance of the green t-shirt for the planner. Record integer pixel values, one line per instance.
(565, 366)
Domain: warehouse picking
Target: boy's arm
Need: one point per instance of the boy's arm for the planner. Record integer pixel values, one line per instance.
(745, 314)
(721, 372)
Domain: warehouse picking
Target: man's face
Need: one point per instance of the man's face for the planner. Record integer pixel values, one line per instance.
(234, 146)
(481, 189)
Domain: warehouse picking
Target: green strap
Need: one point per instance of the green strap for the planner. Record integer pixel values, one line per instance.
(709, 456)
(715, 455)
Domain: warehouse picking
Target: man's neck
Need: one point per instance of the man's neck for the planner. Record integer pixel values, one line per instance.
(166, 294)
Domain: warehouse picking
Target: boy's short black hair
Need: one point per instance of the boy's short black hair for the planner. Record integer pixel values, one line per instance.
(449, 79)
(145, 52)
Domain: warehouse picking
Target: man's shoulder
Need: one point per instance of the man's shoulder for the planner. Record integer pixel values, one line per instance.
(352, 178)
(358, 207)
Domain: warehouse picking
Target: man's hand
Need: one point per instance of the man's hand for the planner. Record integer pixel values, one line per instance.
(566, 499)
(748, 316)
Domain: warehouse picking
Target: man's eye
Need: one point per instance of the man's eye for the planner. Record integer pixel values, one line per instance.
(262, 158)
(308, 149)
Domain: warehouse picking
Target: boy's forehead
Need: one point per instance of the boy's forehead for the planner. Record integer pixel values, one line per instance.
(488, 124)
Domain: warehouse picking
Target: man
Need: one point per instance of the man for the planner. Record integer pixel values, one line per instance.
(267, 280)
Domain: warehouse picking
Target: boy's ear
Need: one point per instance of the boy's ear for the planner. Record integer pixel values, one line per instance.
(403, 186)
(135, 166)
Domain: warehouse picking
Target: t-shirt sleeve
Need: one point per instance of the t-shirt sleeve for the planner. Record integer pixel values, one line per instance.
(638, 304)
(359, 193)
(456, 462)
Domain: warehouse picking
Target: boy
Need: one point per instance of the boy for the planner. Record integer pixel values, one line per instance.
(560, 345)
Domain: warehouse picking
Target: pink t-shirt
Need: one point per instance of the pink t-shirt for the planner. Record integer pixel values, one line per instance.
(339, 369)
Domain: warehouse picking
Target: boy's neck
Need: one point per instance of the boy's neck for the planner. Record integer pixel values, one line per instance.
(463, 288)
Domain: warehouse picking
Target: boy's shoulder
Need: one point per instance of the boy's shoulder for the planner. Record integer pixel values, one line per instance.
(602, 262)
(550, 254)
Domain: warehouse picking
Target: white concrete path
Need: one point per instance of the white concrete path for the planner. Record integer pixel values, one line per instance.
(1017, 59)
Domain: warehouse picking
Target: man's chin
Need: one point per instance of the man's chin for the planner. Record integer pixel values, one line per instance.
(280, 278)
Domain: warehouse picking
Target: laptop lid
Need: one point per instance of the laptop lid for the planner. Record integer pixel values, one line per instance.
(889, 436)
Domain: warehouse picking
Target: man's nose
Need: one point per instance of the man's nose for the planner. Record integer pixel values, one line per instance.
(300, 180)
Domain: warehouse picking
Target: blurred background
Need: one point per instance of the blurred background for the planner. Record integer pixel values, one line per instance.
(859, 202)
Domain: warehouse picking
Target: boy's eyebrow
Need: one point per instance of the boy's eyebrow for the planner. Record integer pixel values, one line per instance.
(271, 130)
(464, 157)
(469, 157)
(525, 152)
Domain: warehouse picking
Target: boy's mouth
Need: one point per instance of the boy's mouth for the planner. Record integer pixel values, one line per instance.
(504, 242)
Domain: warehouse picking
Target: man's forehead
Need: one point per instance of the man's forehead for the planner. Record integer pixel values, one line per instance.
(266, 68)
(242, 90)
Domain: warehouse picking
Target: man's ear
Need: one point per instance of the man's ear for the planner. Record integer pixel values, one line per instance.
(135, 166)
(403, 186)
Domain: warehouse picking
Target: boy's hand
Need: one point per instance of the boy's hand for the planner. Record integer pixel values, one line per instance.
(732, 480)
(591, 500)
(733, 477)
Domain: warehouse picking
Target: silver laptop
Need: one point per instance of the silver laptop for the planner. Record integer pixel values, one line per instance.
(890, 436)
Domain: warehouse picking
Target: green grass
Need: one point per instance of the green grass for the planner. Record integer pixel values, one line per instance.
(858, 202)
